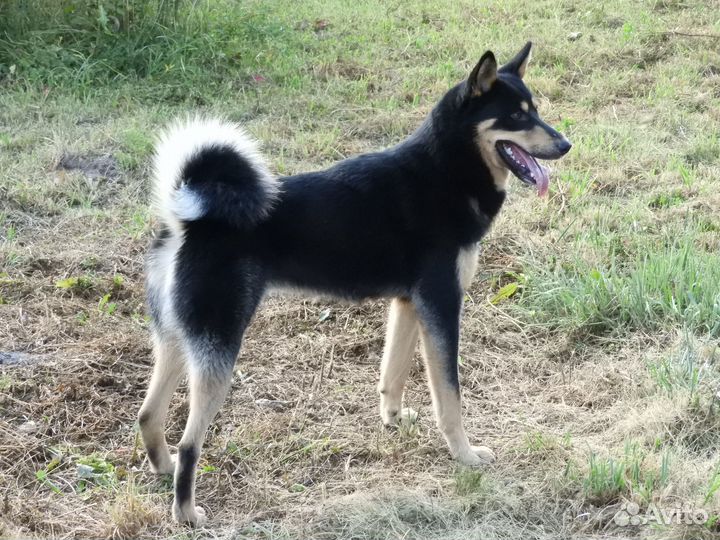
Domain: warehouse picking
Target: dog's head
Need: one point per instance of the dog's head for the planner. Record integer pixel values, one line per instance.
(505, 122)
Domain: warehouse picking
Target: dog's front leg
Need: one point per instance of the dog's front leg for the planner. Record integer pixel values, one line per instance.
(439, 312)
(400, 343)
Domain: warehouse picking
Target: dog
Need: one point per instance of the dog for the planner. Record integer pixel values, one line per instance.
(402, 224)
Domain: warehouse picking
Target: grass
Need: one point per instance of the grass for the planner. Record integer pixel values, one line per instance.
(610, 479)
(688, 369)
(79, 45)
(589, 347)
(656, 286)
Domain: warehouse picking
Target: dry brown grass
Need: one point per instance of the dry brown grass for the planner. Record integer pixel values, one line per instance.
(319, 463)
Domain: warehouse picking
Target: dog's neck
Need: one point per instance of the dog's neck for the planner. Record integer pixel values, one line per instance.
(460, 164)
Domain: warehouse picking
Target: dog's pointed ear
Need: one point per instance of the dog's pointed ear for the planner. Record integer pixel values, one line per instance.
(518, 65)
(483, 75)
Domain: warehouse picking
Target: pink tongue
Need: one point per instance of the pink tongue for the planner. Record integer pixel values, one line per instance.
(540, 173)
(543, 181)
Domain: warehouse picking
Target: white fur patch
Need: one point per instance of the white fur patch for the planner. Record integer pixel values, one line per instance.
(186, 204)
(160, 275)
(180, 143)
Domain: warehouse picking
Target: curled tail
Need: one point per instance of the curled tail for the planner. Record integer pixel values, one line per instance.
(210, 169)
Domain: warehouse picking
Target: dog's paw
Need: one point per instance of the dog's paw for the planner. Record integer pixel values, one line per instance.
(406, 417)
(476, 456)
(191, 515)
(484, 453)
(167, 466)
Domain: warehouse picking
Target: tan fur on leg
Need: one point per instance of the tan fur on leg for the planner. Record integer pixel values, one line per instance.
(207, 394)
(400, 342)
(166, 375)
(446, 402)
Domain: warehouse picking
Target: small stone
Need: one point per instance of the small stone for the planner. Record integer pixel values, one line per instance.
(408, 416)
(274, 404)
(10, 358)
(28, 427)
(85, 471)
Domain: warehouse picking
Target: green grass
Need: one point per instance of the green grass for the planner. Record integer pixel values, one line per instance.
(609, 479)
(689, 370)
(80, 46)
(471, 482)
(662, 285)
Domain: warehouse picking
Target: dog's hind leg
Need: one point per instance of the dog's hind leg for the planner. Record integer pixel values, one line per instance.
(439, 312)
(400, 342)
(166, 375)
(214, 302)
(210, 374)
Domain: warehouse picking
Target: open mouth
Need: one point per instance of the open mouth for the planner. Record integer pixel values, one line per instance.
(524, 166)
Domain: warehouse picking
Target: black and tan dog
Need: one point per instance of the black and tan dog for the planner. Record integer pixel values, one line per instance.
(402, 224)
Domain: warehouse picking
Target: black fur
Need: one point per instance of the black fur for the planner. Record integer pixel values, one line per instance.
(230, 186)
(513, 66)
(371, 226)
(218, 290)
(388, 224)
(188, 457)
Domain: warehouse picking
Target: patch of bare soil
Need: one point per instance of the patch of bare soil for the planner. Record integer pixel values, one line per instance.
(93, 167)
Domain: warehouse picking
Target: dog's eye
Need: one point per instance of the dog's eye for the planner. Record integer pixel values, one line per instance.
(518, 116)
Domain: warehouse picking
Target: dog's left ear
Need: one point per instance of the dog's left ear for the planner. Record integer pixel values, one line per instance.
(518, 64)
(483, 75)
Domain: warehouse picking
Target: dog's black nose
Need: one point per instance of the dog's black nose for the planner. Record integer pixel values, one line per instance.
(564, 146)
